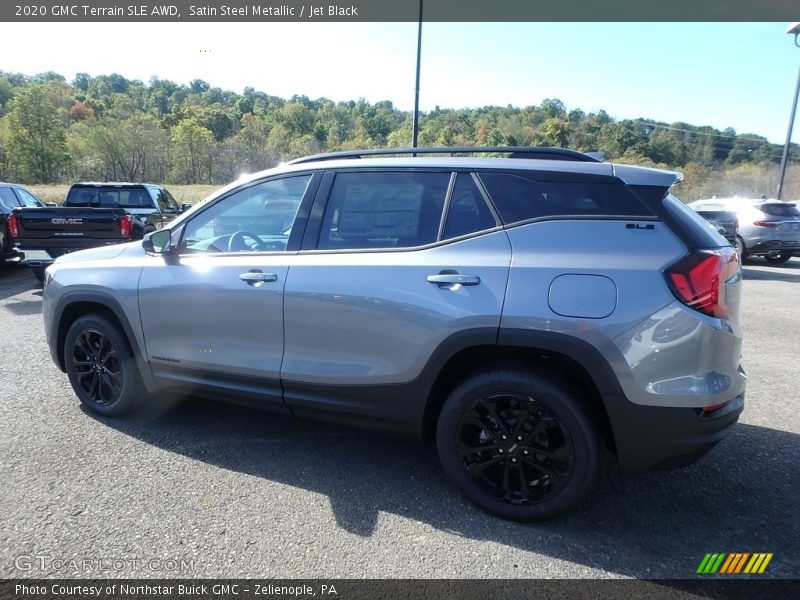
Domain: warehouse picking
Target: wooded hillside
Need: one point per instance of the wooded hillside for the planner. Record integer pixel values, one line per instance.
(112, 128)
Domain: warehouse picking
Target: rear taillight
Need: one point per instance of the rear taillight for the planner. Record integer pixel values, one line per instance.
(766, 223)
(699, 280)
(126, 225)
(13, 225)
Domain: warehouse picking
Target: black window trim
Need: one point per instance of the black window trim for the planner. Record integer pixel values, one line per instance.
(314, 227)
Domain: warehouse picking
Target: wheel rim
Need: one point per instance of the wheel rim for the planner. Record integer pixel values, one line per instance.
(97, 367)
(515, 449)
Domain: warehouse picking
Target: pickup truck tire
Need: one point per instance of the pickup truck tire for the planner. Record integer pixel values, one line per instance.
(38, 272)
(101, 367)
(518, 444)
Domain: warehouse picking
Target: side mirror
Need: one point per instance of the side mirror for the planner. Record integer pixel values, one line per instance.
(158, 242)
(185, 206)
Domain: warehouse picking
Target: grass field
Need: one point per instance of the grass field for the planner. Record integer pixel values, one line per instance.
(182, 193)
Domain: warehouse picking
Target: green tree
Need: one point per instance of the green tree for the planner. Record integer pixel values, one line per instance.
(37, 148)
(191, 161)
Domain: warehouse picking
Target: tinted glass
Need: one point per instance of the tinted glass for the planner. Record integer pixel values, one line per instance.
(257, 218)
(166, 202)
(780, 210)
(383, 210)
(518, 198)
(8, 198)
(467, 212)
(109, 197)
(27, 199)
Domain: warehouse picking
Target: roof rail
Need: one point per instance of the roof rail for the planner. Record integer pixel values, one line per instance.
(540, 153)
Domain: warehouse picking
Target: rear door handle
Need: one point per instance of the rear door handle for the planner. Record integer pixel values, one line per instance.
(451, 279)
(257, 277)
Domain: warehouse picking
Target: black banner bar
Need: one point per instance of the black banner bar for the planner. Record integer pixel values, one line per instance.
(396, 10)
(400, 589)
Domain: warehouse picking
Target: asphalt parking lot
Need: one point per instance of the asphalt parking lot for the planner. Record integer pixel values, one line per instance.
(211, 490)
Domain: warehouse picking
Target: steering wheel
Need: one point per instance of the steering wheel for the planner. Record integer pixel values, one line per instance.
(237, 243)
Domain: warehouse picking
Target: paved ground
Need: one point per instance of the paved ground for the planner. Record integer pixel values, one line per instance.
(231, 492)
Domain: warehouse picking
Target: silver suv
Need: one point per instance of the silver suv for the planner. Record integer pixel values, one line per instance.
(525, 313)
(768, 228)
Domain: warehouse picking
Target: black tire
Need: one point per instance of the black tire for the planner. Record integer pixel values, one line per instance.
(740, 247)
(101, 366)
(549, 460)
(38, 272)
(777, 259)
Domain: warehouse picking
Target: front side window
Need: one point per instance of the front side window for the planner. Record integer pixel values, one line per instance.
(383, 209)
(258, 218)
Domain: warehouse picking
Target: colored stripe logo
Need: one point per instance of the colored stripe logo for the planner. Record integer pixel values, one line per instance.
(730, 563)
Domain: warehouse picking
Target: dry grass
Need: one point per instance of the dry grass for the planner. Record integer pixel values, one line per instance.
(182, 193)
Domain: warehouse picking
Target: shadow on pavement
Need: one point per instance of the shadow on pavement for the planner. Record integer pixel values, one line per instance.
(742, 497)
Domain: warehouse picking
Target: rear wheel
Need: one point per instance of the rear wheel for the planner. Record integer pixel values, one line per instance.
(777, 259)
(518, 444)
(38, 272)
(101, 366)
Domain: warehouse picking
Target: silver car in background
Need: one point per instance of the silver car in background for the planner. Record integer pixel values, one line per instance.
(768, 228)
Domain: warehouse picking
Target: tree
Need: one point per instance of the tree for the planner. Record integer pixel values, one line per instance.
(37, 141)
(191, 162)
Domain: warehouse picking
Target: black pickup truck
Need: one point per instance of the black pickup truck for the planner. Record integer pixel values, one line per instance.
(94, 214)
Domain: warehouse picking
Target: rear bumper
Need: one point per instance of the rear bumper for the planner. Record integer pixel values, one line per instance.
(654, 437)
(39, 258)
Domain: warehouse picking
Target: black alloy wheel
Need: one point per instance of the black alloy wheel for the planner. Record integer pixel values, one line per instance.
(515, 449)
(101, 366)
(97, 367)
(518, 443)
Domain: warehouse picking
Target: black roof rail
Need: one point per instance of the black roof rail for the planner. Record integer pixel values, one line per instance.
(539, 153)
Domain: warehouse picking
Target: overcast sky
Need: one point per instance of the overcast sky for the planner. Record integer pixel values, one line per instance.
(739, 75)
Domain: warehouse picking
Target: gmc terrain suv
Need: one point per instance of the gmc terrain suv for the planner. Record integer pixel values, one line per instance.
(526, 313)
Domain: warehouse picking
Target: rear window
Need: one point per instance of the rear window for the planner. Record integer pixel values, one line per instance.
(784, 209)
(518, 198)
(109, 197)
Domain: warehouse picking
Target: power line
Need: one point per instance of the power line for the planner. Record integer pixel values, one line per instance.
(708, 133)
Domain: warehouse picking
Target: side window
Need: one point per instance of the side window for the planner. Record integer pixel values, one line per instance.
(467, 212)
(166, 203)
(257, 218)
(8, 198)
(518, 198)
(27, 199)
(381, 209)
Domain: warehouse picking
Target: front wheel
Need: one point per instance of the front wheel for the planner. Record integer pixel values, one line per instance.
(101, 366)
(777, 259)
(518, 444)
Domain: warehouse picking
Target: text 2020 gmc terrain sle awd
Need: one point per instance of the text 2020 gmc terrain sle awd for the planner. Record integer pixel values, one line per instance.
(525, 313)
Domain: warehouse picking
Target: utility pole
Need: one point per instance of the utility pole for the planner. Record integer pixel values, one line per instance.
(794, 29)
(415, 121)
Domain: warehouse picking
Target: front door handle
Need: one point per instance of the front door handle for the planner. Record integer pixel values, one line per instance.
(453, 279)
(257, 277)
